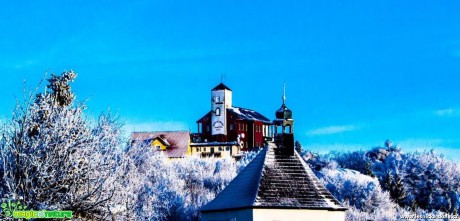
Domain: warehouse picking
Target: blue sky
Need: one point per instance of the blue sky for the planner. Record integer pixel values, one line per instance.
(357, 73)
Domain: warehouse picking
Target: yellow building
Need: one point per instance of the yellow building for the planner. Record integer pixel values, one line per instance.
(160, 143)
(215, 149)
(177, 144)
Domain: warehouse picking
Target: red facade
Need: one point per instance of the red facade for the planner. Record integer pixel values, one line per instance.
(244, 125)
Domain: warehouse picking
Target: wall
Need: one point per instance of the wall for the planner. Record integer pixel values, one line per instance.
(297, 215)
(224, 153)
(156, 142)
(275, 215)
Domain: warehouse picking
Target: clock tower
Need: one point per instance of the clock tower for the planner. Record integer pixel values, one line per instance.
(221, 99)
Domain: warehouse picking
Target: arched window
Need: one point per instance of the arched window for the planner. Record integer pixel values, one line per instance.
(217, 112)
(279, 129)
(288, 128)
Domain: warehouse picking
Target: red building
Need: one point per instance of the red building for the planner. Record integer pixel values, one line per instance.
(225, 123)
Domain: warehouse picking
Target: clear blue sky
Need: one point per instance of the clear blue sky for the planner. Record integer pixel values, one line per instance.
(357, 73)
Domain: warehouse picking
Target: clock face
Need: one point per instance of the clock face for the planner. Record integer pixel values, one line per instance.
(218, 125)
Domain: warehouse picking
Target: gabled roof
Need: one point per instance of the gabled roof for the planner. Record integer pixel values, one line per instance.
(248, 114)
(178, 141)
(274, 181)
(221, 86)
(206, 115)
(163, 141)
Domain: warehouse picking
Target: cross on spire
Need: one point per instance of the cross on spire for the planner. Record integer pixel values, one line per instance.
(222, 76)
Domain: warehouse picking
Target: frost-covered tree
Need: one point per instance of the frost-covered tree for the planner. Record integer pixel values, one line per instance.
(356, 160)
(298, 147)
(158, 188)
(418, 181)
(433, 182)
(360, 193)
(54, 158)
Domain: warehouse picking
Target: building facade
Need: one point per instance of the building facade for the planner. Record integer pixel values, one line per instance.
(225, 124)
(276, 185)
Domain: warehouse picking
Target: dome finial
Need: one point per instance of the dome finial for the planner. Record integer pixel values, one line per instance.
(284, 92)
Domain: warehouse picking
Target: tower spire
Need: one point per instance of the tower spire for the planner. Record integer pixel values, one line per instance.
(284, 92)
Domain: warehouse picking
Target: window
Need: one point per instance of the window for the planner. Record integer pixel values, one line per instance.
(198, 149)
(221, 149)
(227, 148)
(288, 129)
(217, 112)
(208, 128)
(246, 127)
(231, 126)
(204, 149)
(157, 147)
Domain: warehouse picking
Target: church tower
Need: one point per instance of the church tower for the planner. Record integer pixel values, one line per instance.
(284, 127)
(221, 99)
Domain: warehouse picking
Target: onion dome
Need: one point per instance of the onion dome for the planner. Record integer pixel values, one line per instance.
(284, 112)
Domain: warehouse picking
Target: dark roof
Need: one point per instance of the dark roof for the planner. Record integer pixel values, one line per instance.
(274, 181)
(178, 141)
(221, 86)
(206, 115)
(283, 112)
(248, 114)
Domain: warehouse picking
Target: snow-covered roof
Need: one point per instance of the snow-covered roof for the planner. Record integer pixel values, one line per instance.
(176, 140)
(164, 141)
(273, 180)
(242, 114)
(248, 114)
